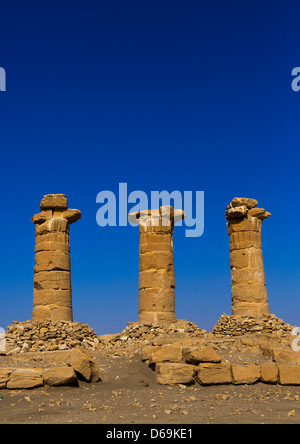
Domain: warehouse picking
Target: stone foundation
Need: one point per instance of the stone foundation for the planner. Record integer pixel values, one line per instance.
(49, 368)
(203, 363)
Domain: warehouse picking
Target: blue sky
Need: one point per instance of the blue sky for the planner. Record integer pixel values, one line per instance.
(162, 95)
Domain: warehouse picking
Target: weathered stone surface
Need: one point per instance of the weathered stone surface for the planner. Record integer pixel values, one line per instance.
(26, 379)
(52, 271)
(196, 354)
(282, 356)
(54, 201)
(171, 353)
(4, 376)
(84, 364)
(248, 285)
(244, 201)
(174, 373)
(245, 374)
(52, 261)
(269, 372)
(156, 263)
(58, 376)
(289, 374)
(210, 373)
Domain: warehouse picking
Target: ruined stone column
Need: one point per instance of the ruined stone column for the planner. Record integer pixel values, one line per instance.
(156, 264)
(52, 296)
(248, 284)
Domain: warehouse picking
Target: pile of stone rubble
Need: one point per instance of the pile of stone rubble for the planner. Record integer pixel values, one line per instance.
(241, 325)
(48, 335)
(136, 333)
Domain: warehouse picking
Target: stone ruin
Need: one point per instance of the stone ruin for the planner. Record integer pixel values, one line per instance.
(156, 263)
(52, 297)
(248, 346)
(248, 283)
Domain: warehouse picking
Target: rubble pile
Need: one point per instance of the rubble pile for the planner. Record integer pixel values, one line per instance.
(48, 335)
(241, 325)
(136, 333)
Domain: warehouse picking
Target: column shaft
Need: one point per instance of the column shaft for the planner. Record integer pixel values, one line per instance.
(248, 284)
(52, 296)
(156, 265)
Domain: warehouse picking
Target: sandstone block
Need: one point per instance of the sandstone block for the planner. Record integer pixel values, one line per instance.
(210, 373)
(4, 376)
(289, 374)
(256, 259)
(239, 259)
(55, 280)
(269, 372)
(52, 312)
(250, 308)
(171, 353)
(284, 356)
(53, 224)
(158, 317)
(146, 352)
(54, 201)
(245, 374)
(237, 212)
(240, 201)
(248, 224)
(58, 298)
(25, 379)
(244, 240)
(249, 276)
(196, 354)
(52, 246)
(51, 261)
(156, 248)
(174, 373)
(148, 238)
(249, 293)
(156, 278)
(156, 261)
(58, 376)
(157, 299)
(84, 364)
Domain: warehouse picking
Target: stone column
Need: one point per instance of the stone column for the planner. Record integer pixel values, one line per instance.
(248, 284)
(52, 296)
(156, 264)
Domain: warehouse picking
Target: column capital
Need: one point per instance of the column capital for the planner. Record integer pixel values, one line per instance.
(55, 206)
(166, 216)
(242, 214)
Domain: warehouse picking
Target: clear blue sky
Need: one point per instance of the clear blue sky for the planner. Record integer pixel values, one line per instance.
(163, 95)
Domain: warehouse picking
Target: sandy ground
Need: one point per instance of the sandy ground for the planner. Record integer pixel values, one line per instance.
(128, 394)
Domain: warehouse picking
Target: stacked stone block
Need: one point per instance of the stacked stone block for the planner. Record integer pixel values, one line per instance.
(248, 284)
(52, 297)
(156, 263)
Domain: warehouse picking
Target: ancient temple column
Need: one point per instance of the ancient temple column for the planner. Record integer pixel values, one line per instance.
(156, 264)
(52, 296)
(248, 284)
